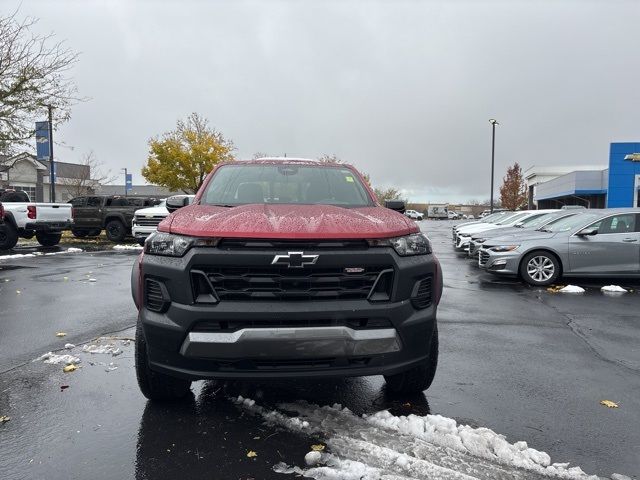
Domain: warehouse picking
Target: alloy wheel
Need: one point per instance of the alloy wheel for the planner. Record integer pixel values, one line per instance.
(540, 268)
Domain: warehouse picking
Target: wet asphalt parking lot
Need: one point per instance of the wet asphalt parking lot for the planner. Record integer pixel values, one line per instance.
(529, 364)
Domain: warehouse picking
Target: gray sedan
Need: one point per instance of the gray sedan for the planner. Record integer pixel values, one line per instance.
(594, 243)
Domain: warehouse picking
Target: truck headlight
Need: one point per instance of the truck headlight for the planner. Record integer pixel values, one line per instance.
(160, 243)
(170, 245)
(414, 244)
(503, 248)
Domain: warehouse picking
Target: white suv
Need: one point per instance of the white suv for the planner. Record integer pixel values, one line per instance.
(413, 214)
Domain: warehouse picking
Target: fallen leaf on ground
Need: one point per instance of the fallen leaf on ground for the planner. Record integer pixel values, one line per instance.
(609, 404)
(317, 448)
(4, 418)
(18, 292)
(61, 334)
(251, 454)
(63, 387)
(70, 368)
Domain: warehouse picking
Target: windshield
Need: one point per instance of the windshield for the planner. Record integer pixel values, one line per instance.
(569, 223)
(535, 220)
(510, 218)
(234, 185)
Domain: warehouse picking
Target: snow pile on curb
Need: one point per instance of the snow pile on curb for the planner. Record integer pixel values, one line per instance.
(40, 254)
(127, 247)
(613, 289)
(55, 359)
(381, 446)
(572, 289)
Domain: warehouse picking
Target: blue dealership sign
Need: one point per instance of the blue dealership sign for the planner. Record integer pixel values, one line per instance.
(42, 140)
(128, 181)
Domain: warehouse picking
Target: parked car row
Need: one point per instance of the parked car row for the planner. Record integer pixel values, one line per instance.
(540, 246)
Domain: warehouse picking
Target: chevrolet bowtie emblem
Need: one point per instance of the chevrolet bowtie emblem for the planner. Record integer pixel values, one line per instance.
(294, 260)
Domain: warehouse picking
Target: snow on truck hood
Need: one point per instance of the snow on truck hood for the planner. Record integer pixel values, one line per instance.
(288, 221)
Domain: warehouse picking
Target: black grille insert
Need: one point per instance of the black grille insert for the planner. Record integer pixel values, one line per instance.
(484, 257)
(156, 298)
(298, 245)
(422, 294)
(280, 283)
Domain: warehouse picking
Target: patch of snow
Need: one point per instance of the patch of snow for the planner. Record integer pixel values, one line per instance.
(39, 254)
(572, 289)
(617, 476)
(96, 348)
(613, 289)
(74, 250)
(69, 346)
(55, 359)
(127, 247)
(381, 446)
(312, 458)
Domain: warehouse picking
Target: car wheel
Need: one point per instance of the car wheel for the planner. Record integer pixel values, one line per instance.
(540, 268)
(79, 233)
(115, 231)
(48, 239)
(419, 378)
(8, 237)
(154, 385)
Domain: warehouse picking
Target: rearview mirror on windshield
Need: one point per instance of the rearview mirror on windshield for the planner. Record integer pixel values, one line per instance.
(396, 205)
(177, 201)
(587, 232)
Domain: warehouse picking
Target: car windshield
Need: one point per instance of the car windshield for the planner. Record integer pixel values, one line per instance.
(535, 220)
(497, 217)
(569, 223)
(287, 183)
(510, 218)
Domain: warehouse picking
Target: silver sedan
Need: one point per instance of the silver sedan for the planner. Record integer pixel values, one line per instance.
(594, 243)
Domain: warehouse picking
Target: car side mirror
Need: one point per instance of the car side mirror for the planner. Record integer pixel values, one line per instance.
(396, 205)
(587, 232)
(177, 201)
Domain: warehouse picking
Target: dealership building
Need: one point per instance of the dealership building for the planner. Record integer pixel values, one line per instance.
(600, 186)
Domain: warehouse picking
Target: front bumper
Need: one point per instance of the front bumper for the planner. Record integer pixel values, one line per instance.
(179, 346)
(141, 232)
(505, 263)
(48, 227)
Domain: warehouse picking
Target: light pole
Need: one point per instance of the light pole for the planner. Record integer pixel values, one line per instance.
(125, 181)
(52, 169)
(493, 123)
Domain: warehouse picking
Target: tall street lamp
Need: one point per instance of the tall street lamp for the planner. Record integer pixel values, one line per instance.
(493, 123)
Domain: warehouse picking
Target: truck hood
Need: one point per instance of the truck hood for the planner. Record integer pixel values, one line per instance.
(152, 211)
(288, 222)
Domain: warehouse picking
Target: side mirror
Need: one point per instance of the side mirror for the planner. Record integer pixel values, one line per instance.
(396, 205)
(587, 232)
(177, 201)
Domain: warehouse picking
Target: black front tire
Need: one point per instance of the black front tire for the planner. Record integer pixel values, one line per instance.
(419, 378)
(48, 239)
(540, 268)
(154, 385)
(115, 231)
(8, 236)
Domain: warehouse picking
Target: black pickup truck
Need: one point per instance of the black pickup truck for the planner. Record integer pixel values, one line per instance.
(113, 213)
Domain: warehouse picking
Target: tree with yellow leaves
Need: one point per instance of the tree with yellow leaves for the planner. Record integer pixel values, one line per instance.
(183, 157)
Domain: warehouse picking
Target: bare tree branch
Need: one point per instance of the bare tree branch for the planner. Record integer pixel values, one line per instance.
(89, 178)
(34, 73)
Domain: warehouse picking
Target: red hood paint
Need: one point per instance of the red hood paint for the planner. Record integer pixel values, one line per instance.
(288, 222)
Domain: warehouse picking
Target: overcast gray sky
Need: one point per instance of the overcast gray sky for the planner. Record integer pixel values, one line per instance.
(401, 89)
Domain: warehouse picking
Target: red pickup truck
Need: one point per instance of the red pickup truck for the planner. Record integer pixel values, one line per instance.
(285, 268)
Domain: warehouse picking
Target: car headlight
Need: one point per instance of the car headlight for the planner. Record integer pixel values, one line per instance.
(170, 245)
(465, 235)
(414, 244)
(480, 240)
(503, 248)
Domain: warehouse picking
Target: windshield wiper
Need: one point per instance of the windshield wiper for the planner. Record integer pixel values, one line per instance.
(222, 205)
(545, 230)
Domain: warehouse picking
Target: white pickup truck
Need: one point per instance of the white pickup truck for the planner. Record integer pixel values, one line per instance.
(45, 221)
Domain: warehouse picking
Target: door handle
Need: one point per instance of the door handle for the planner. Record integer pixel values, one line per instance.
(629, 240)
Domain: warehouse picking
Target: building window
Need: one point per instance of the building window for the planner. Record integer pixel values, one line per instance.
(31, 191)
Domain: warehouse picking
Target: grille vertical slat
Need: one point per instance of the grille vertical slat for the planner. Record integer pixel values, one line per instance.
(154, 298)
(422, 298)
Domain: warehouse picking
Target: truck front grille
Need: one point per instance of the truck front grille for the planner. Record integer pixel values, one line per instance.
(275, 283)
(144, 221)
